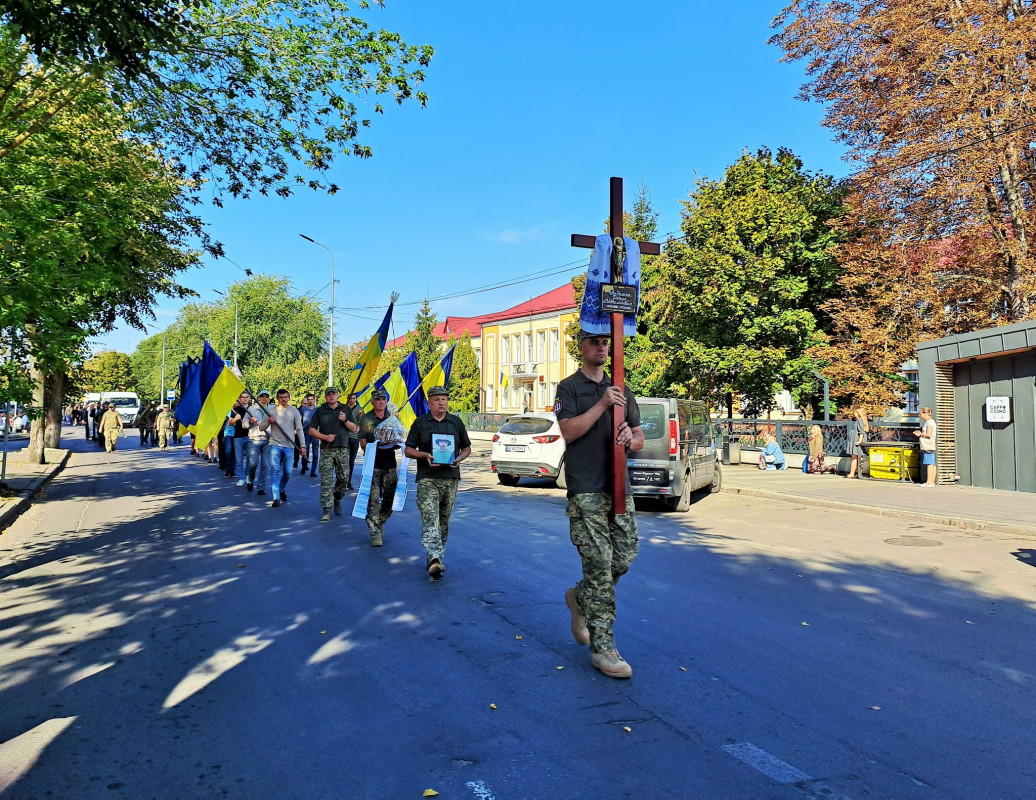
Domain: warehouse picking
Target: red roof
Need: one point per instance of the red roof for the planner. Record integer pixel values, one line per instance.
(561, 299)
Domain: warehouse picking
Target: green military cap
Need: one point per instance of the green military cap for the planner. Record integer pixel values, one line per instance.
(437, 390)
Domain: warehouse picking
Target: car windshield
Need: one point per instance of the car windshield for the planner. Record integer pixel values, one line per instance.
(653, 420)
(123, 402)
(526, 426)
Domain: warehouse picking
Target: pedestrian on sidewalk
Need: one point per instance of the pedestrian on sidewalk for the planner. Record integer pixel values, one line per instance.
(607, 542)
(238, 415)
(438, 441)
(330, 427)
(857, 436)
(285, 427)
(383, 483)
(772, 456)
(311, 449)
(110, 427)
(926, 437)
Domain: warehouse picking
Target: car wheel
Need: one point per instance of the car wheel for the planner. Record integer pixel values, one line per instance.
(717, 480)
(560, 479)
(508, 480)
(683, 502)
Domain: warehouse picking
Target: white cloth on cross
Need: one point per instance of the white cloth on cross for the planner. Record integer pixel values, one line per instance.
(591, 317)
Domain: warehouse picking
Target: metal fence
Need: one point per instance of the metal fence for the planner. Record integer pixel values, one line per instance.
(793, 435)
(486, 423)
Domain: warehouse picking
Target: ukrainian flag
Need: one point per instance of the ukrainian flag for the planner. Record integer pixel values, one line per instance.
(188, 408)
(439, 375)
(218, 388)
(402, 388)
(363, 372)
(504, 380)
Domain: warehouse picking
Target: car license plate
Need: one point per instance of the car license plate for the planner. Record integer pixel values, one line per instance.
(649, 477)
(514, 448)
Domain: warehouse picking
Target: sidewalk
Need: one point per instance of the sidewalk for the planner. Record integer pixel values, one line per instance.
(966, 507)
(24, 479)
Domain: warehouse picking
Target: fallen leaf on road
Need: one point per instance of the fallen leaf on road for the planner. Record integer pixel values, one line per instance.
(492, 705)
(239, 565)
(322, 632)
(806, 624)
(430, 793)
(683, 669)
(517, 637)
(875, 708)
(627, 729)
(560, 667)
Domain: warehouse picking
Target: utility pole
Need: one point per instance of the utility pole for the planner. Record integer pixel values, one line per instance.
(331, 326)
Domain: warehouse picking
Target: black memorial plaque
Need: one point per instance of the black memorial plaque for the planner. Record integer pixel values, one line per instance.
(617, 298)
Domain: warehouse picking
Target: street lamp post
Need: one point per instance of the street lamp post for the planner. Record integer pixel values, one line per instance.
(827, 387)
(232, 300)
(331, 325)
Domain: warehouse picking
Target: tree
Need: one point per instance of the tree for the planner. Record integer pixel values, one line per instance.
(121, 33)
(280, 338)
(733, 309)
(423, 341)
(252, 94)
(465, 376)
(94, 226)
(934, 102)
(108, 371)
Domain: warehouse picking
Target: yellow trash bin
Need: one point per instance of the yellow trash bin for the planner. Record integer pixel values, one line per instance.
(893, 461)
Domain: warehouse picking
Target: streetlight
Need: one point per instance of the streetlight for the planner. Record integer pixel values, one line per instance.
(827, 385)
(232, 300)
(331, 327)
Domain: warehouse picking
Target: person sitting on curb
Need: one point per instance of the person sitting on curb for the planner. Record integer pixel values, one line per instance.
(772, 456)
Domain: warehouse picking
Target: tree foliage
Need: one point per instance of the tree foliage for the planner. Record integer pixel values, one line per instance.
(107, 371)
(934, 101)
(254, 95)
(732, 310)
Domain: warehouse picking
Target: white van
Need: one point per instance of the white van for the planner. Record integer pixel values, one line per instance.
(126, 403)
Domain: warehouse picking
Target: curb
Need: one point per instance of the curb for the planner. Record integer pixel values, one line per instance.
(15, 509)
(965, 523)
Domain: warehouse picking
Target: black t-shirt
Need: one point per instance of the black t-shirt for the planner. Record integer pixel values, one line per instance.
(240, 432)
(354, 415)
(386, 454)
(325, 419)
(421, 437)
(588, 460)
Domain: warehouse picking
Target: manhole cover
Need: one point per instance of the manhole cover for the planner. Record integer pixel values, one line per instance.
(913, 541)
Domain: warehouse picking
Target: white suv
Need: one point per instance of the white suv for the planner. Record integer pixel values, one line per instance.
(529, 445)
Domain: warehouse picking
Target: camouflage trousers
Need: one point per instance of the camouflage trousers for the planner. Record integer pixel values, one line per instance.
(379, 507)
(435, 499)
(163, 439)
(332, 487)
(607, 545)
(111, 440)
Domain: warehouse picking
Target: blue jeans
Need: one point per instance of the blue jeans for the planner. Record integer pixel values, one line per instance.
(257, 459)
(240, 455)
(279, 458)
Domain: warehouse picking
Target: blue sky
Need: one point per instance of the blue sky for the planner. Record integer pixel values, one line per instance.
(533, 107)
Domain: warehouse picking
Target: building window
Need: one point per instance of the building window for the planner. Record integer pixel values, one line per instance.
(478, 358)
(505, 349)
(553, 391)
(541, 346)
(528, 348)
(555, 347)
(490, 399)
(543, 394)
(516, 348)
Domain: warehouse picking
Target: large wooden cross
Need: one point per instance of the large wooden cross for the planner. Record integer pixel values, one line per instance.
(616, 350)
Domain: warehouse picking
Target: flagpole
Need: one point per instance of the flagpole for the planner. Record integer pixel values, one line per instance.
(331, 325)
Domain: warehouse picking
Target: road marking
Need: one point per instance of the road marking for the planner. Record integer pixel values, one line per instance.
(769, 765)
(480, 790)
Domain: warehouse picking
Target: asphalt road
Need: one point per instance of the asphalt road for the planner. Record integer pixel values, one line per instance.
(165, 634)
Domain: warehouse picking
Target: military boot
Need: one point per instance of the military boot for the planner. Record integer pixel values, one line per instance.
(611, 664)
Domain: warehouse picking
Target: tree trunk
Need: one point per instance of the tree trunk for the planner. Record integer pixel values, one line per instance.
(34, 453)
(54, 395)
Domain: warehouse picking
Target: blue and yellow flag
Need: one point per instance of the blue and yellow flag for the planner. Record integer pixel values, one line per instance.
(218, 388)
(402, 387)
(504, 380)
(439, 375)
(189, 405)
(364, 371)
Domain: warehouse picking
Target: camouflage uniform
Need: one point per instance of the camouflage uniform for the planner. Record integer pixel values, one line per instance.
(111, 423)
(607, 545)
(383, 492)
(435, 499)
(164, 426)
(332, 488)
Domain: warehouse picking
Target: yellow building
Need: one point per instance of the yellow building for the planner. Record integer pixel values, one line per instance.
(521, 351)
